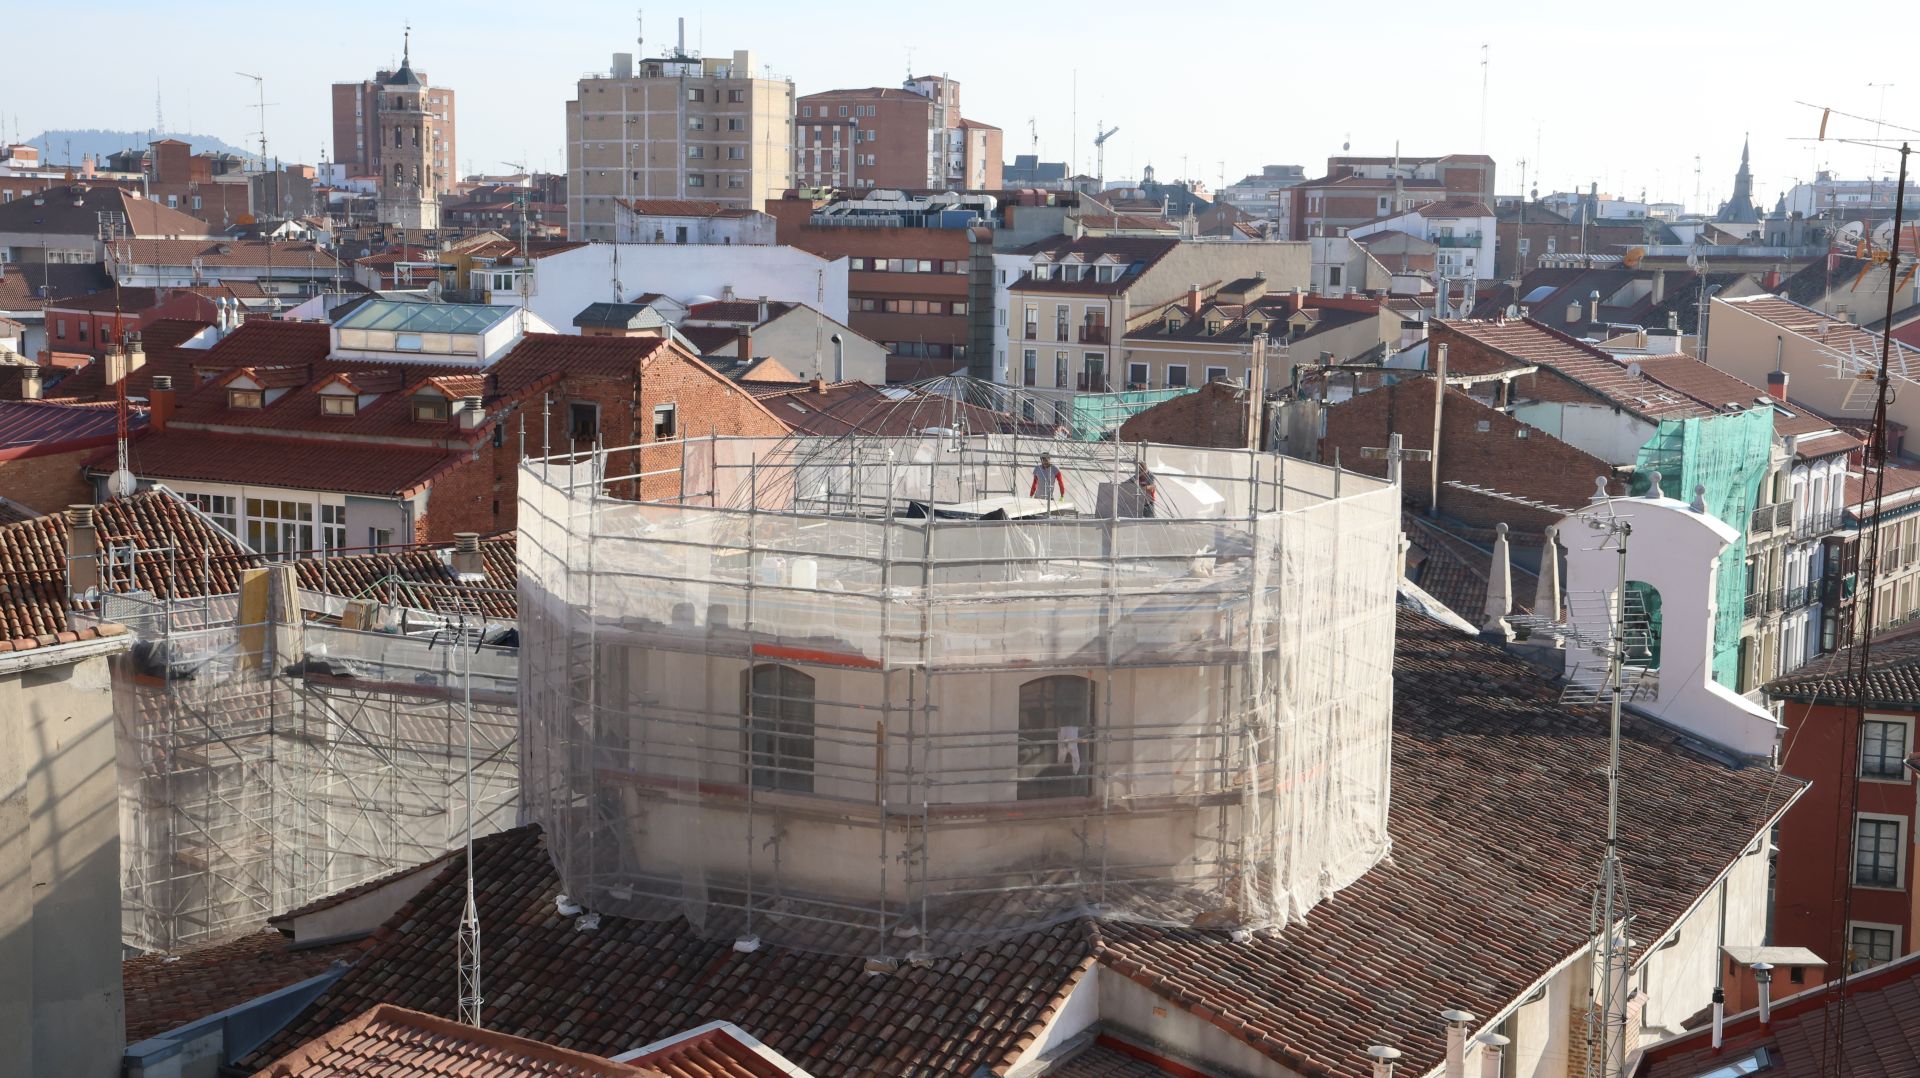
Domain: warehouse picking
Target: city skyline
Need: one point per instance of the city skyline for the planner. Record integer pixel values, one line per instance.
(1207, 119)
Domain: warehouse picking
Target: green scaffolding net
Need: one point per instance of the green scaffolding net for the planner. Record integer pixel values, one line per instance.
(1727, 455)
(1096, 416)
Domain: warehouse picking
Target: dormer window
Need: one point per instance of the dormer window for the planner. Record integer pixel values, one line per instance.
(429, 408)
(1256, 325)
(251, 400)
(339, 404)
(1174, 324)
(1213, 326)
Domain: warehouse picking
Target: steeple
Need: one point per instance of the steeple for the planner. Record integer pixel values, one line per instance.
(405, 76)
(1739, 209)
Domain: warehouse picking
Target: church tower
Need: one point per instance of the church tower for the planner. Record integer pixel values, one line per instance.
(407, 130)
(1739, 209)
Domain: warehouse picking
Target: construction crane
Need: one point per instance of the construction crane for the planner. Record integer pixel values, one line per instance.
(1100, 154)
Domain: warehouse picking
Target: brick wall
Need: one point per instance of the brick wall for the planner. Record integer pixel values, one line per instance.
(1535, 464)
(1213, 416)
(48, 483)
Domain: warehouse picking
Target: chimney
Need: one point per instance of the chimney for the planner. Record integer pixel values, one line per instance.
(1659, 285)
(160, 402)
(1593, 305)
(1546, 595)
(136, 354)
(115, 364)
(32, 385)
(1456, 1042)
(1719, 1017)
(1383, 1058)
(726, 293)
(743, 344)
(83, 550)
(1777, 385)
(86, 166)
(817, 385)
(763, 311)
(1492, 1047)
(1193, 299)
(473, 412)
(467, 566)
(1763, 976)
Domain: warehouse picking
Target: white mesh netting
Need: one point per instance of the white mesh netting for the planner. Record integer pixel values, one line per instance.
(869, 695)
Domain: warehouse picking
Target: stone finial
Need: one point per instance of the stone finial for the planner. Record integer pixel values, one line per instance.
(1546, 592)
(1699, 502)
(1500, 587)
(1600, 488)
(1653, 483)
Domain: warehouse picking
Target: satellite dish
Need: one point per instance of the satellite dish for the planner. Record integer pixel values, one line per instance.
(122, 483)
(1634, 257)
(1513, 310)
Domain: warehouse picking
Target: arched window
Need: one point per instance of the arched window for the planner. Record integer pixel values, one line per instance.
(416, 136)
(1056, 738)
(399, 173)
(1643, 625)
(396, 137)
(778, 704)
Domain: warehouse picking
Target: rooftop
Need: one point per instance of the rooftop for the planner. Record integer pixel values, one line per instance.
(1893, 678)
(168, 991)
(405, 317)
(394, 1042)
(40, 428)
(1479, 743)
(1526, 341)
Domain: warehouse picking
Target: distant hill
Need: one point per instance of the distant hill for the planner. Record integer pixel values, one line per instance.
(55, 146)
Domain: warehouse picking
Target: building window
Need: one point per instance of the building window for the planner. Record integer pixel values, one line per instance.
(245, 399)
(333, 527)
(1876, 851)
(1137, 376)
(778, 704)
(735, 123)
(806, 110)
(1176, 376)
(736, 181)
(222, 509)
(736, 153)
(1883, 749)
(1872, 945)
(696, 152)
(339, 404)
(279, 527)
(1030, 367)
(1333, 276)
(1060, 370)
(583, 421)
(695, 93)
(843, 110)
(1056, 742)
(429, 408)
(1216, 374)
(736, 96)
(696, 181)
(666, 422)
(696, 123)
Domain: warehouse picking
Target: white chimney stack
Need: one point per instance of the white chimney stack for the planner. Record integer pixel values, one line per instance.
(1457, 1021)
(468, 568)
(1383, 1058)
(1763, 975)
(1719, 1017)
(1492, 1047)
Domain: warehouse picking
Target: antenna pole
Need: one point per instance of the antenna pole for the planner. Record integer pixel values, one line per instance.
(1613, 946)
(469, 947)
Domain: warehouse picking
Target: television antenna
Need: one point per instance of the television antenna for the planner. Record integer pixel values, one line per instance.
(1606, 1015)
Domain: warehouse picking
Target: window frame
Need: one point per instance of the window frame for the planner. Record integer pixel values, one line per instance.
(429, 408)
(1854, 927)
(671, 413)
(1899, 774)
(580, 419)
(1880, 820)
(1182, 383)
(339, 405)
(241, 399)
(1038, 738)
(789, 751)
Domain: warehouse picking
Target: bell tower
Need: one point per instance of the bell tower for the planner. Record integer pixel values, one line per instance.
(408, 188)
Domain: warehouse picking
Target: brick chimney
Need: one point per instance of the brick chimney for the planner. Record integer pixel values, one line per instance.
(1777, 385)
(160, 402)
(1193, 299)
(743, 345)
(817, 385)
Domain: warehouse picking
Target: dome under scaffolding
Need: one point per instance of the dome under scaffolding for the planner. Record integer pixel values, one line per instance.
(948, 676)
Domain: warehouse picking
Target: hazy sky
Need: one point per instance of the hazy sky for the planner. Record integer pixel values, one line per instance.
(1623, 94)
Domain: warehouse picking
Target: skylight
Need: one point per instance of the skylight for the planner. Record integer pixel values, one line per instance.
(1752, 1063)
(1540, 293)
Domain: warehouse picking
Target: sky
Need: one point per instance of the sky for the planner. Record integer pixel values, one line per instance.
(1636, 97)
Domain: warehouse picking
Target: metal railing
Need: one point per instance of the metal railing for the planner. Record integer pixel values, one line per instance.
(1093, 383)
(1796, 598)
(1816, 523)
(1093, 334)
(1032, 333)
(1471, 239)
(1768, 518)
(1759, 602)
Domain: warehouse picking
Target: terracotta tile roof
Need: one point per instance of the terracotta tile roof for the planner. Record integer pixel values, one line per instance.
(53, 212)
(255, 343)
(1484, 895)
(1129, 251)
(1108, 1058)
(33, 558)
(850, 407)
(1814, 280)
(1457, 571)
(1526, 341)
(20, 285)
(1484, 892)
(168, 991)
(289, 463)
(393, 1042)
(540, 357)
(1893, 679)
(1840, 336)
(1901, 489)
(746, 312)
(1882, 1033)
(1714, 387)
(375, 574)
(220, 254)
(717, 1051)
(37, 428)
(710, 340)
(651, 980)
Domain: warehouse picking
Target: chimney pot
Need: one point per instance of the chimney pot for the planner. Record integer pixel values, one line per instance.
(1492, 1047)
(467, 566)
(1719, 1016)
(473, 412)
(1456, 1020)
(1383, 1057)
(160, 402)
(1777, 385)
(1763, 976)
(32, 384)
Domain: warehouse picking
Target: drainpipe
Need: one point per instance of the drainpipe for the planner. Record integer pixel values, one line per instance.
(1439, 399)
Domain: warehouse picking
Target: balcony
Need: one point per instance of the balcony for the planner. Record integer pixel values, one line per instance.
(1810, 525)
(1094, 382)
(1796, 598)
(1060, 332)
(1093, 334)
(1768, 518)
(1758, 603)
(1032, 332)
(1470, 239)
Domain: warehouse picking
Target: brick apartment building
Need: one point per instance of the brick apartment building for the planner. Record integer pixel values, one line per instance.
(87, 325)
(45, 446)
(913, 139)
(356, 127)
(182, 180)
(1359, 189)
(1825, 844)
(925, 293)
(302, 436)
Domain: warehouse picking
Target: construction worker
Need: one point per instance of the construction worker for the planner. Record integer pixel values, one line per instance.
(1045, 478)
(1149, 490)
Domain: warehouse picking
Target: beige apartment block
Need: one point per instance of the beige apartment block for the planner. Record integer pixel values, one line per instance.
(680, 126)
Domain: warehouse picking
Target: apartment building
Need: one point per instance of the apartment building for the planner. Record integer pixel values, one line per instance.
(1356, 190)
(913, 138)
(679, 126)
(1461, 230)
(357, 131)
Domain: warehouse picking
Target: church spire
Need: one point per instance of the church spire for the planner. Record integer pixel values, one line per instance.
(1740, 209)
(406, 60)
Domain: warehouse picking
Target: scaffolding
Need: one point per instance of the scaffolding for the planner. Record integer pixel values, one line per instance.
(280, 744)
(903, 696)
